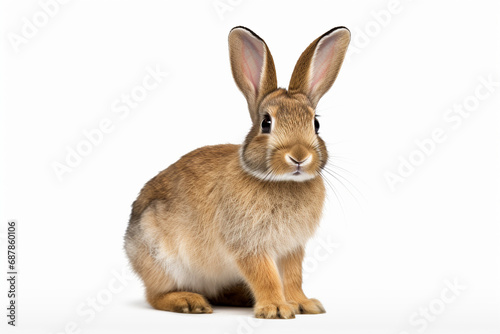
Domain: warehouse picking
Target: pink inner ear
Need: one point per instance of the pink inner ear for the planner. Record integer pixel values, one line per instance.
(322, 61)
(253, 60)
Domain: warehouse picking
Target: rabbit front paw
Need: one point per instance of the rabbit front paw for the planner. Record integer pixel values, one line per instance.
(307, 306)
(274, 311)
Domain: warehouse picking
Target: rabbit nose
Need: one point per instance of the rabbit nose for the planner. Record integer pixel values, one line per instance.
(302, 162)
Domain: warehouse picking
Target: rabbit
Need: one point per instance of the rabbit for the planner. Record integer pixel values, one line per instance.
(228, 224)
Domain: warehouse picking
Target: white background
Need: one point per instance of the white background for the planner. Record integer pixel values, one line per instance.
(380, 256)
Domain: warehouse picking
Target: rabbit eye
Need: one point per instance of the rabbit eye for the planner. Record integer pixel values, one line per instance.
(266, 124)
(316, 125)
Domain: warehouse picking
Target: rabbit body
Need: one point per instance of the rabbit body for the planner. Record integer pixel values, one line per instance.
(193, 223)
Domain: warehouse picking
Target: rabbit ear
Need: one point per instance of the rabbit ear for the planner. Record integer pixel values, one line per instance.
(319, 64)
(252, 66)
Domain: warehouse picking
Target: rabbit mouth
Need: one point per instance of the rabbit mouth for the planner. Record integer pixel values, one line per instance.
(298, 171)
(298, 175)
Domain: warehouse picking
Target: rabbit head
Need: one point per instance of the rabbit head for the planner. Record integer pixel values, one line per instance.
(283, 143)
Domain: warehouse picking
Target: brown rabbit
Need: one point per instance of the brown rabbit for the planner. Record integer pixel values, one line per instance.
(227, 224)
